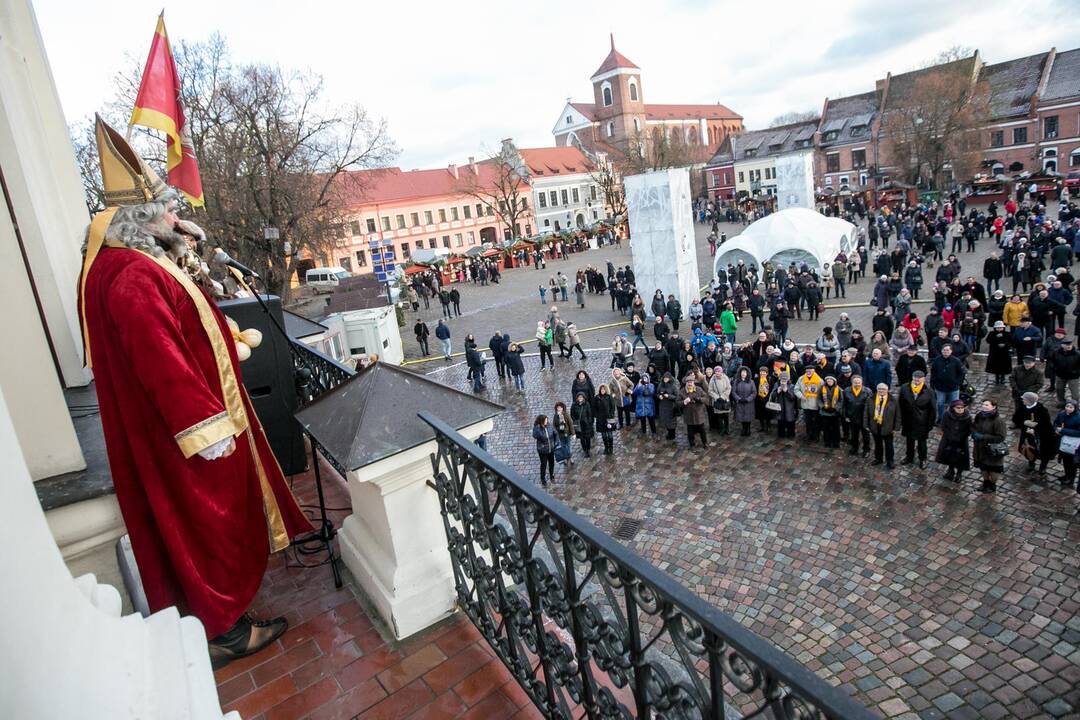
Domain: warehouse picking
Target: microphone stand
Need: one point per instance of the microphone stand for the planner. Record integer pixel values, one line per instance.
(326, 532)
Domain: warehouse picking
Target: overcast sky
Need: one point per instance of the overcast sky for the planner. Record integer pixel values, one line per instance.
(452, 79)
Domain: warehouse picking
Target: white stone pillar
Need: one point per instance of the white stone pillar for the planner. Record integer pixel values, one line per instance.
(43, 182)
(394, 542)
(65, 651)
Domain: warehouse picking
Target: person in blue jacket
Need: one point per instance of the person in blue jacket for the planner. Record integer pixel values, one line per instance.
(645, 403)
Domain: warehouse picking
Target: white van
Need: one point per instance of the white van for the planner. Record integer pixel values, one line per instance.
(325, 279)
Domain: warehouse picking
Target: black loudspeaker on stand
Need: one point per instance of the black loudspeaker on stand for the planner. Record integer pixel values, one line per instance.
(271, 383)
(268, 377)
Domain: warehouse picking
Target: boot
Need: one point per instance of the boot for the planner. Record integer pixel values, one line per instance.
(247, 637)
(950, 474)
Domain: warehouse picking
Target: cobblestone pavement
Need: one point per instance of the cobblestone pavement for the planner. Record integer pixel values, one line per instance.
(514, 304)
(922, 598)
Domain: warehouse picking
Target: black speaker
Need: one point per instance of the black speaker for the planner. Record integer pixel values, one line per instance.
(268, 377)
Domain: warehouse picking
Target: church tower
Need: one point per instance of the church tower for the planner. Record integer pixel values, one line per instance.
(620, 104)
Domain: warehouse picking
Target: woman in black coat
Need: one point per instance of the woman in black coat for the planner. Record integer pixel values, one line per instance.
(953, 450)
(605, 412)
(667, 395)
(1038, 441)
(583, 384)
(582, 416)
(999, 356)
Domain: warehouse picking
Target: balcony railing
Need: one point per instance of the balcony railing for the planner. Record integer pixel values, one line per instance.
(589, 628)
(315, 373)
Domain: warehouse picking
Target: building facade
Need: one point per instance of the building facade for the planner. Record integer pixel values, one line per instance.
(619, 114)
(564, 192)
(395, 213)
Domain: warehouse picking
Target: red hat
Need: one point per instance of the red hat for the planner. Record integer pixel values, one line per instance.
(1059, 331)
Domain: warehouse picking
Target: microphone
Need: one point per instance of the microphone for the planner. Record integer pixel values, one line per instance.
(223, 257)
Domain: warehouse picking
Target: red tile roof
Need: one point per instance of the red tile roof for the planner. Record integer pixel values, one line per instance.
(689, 112)
(654, 111)
(614, 60)
(365, 187)
(555, 161)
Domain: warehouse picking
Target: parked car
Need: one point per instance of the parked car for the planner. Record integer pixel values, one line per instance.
(325, 279)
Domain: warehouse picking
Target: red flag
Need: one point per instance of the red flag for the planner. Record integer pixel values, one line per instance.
(158, 106)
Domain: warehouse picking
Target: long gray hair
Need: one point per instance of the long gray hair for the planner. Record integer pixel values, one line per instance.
(142, 227)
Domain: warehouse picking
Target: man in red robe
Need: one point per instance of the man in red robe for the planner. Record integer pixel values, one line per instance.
(202, 495)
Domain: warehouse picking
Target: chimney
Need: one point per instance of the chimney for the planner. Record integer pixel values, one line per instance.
(453, 170)
(472, 164)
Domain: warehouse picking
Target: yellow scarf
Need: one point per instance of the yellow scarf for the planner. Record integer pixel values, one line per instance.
(856, 391)
(835, 396)
(763, 386)
(917, 387)
(879, 408)
(811, 384)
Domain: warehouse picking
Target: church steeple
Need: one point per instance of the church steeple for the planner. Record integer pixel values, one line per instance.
(615, 60)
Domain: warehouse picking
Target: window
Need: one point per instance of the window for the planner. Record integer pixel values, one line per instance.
(752, 152)
(419, 244)
(361, 258)
(454, 213)
(355, 227)
(565, 197)
(611, 129)
(862, 179)
(547, 222)
(458, 242)
(1074, 159)
(490, 211)
(828, 181)
(524, 203)
(633, 91)
(770, 173)
(594, 215)
(541, 198)
(446, 241)
(414, 218)
(467, 210)
(858, 159)
(606, 92)
(371, 225)
(832, 162)
(405, 251)
(776, 147)
(400, 222)
(804, 143)
(830, 136)
(557, 227)
(1019, 135)
(428, 218)
(432, 244)
(592, 192)
(472, 238)
(741, 176)
(1050, 127)
(637, 125)
(442, 215)
(528, 231)
(858, 130)
(479, 210)
(569, 120)
(502, 207)
(997, 138)
(574, 194)
(843, 179)
(553, 198)
(385, 223)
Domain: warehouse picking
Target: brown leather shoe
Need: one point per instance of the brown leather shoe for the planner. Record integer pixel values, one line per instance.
(247, 637)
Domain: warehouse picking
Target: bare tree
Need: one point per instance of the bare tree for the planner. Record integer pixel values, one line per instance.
(932, 128)
(793, 117)
(658, 150)
(501, 185)
(948, 55)
(271, 154)
(606, 176)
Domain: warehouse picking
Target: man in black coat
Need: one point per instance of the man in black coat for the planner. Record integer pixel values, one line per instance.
(673, 311)
(916, 416)
(1067, 371)
(908, 363)
(854, 413)
(658, 357)
(946, 376)
(420, 329)
(495, 345)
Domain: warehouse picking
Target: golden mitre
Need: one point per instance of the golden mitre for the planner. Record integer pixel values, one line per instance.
(126, 177)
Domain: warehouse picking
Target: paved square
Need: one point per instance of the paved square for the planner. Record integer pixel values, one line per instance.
(922, 598)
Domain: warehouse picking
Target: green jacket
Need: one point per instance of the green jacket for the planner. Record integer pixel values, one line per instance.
(728, 323)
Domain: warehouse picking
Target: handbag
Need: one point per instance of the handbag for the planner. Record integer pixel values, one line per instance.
(562, 453)
(820, 308)
(997, 450)
(721, 405)
(772, 406)
(1069, 445)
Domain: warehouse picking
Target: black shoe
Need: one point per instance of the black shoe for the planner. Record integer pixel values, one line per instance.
(1065, 481)
(922, 464)
(907, 461)
(950, 474)
(988, 487)
(890, 466)
(876, 462)
(247, 637)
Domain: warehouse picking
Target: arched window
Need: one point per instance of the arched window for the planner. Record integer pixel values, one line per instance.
(637, 125)
(611, 129)
(572, 139)
(997, 169)
(1074, 158)
(605, 90)
(693, 135)
(633, 91)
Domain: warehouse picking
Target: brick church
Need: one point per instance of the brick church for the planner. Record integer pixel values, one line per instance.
(618, 113)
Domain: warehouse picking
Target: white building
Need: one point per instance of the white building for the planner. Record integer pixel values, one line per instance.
(564, 194)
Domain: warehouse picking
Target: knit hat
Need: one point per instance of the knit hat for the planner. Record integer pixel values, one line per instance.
(1029, 398)
(918, 374)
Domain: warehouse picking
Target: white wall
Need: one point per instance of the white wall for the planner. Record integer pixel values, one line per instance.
(795, 181)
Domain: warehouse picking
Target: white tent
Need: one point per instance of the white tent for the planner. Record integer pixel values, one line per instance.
(795, 234)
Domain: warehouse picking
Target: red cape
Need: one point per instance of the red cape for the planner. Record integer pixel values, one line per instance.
(201, 530)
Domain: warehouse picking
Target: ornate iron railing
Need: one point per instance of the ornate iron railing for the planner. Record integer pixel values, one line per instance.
(589, 628)
(315, 373)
